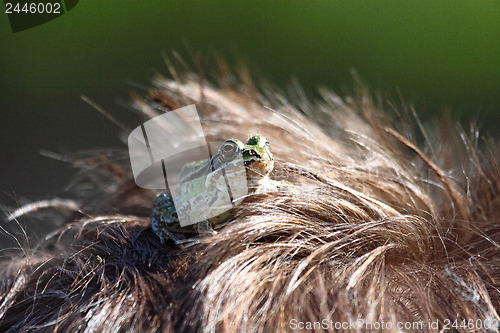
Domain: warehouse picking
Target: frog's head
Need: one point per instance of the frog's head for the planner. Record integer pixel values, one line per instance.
(256, 154)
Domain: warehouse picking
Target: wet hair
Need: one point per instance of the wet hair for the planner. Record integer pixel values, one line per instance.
(393, 222)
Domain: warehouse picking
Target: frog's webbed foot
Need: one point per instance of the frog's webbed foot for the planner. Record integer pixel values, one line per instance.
(164, 234)
(164, 218)
(285, 186)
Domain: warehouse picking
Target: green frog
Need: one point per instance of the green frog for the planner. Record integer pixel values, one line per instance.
(196, 177)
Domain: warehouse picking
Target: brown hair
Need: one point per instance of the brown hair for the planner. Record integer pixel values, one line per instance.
(390, 226)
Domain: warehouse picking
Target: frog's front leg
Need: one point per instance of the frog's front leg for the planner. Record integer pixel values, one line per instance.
(164, 218)
(205, 227)
(266, 185)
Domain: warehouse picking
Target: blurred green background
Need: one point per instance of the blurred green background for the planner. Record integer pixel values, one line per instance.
(438, 54)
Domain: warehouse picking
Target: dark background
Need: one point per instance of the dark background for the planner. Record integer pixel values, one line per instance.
(439, 55)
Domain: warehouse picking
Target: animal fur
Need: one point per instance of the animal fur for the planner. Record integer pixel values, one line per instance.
(391, 224)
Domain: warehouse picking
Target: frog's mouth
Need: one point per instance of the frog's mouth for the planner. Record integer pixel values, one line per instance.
(260, 168)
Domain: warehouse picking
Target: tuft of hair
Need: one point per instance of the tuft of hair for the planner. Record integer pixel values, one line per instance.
(389, 225)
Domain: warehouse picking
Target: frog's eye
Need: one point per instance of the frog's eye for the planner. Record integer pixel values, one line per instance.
(229, 150)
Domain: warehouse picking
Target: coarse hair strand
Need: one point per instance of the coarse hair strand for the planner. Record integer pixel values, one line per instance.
(387, 225)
